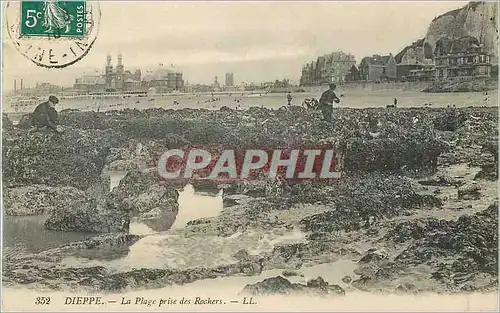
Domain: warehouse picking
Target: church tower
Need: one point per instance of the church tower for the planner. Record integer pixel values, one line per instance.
(108, 71)
(119, 73)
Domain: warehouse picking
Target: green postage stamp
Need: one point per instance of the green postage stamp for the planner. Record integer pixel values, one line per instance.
(53, 34)
(58, 18)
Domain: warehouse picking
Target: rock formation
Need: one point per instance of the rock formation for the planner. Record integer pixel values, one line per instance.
(91, 217)
(39, 199)
(282, 286)
(416, 53)
(388, 197)
(476, 19)
(74, 158)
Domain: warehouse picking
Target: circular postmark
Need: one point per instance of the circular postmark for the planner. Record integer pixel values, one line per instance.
(53, 34)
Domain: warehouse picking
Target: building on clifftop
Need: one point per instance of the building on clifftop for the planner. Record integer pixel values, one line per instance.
(461, 59)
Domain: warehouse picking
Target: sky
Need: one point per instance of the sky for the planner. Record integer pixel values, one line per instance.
(257, 41)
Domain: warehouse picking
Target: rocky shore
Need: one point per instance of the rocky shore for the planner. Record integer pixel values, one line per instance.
(474, 85)
(416, 207)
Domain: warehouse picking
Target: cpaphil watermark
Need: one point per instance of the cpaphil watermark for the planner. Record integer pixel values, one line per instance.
(232, 165)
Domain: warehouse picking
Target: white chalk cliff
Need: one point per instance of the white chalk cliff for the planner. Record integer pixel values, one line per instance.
(476, 19)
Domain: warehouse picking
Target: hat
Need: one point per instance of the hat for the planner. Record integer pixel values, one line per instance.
(332, 85)
(53, 99)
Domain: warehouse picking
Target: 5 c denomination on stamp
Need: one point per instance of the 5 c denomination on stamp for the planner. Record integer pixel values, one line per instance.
(53, 34)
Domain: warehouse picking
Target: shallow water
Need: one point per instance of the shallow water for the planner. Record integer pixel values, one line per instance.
(115, 177)
(194, 205)
(331, 272)
(165, 245)
(27, 234)
(174, 248)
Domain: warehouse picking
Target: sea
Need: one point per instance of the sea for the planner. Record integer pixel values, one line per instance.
(350, 98)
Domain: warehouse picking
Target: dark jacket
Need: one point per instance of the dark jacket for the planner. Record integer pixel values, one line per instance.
(44, 116)
(328, 97)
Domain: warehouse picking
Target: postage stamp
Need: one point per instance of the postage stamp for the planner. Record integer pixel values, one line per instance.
(53, 34)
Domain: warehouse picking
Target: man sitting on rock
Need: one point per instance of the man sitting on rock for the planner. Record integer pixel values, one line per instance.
(46, 116)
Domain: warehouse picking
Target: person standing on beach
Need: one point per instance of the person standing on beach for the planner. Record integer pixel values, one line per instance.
(289, 98)
(326, 102)
(45, 116)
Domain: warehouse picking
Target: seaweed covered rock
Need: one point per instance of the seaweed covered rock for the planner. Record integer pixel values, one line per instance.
(449, 119)
(464, 253)
(92, 217)
(469, 192)
(108, 246)
(371, 139)
(257, 189)
(6, 122)
(488, 172)
(477, 232)
(390, 142)
(442, 180)
(118, 154)
(83, 119)
(489, 169)
(39, 199)
(73, 158)
(143, 193)
(375, 140)
(101, 279)
(25, 121)
(363, 202)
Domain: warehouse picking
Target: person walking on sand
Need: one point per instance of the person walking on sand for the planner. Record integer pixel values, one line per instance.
(45, 116)
(326, 102)
(289, 98)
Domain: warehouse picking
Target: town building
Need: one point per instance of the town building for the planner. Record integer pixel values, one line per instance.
(163, 79)
(328, 68)
(114, 80)
(187, 87)
(461, 59)
(422, 73)
(120, 80)
(90, 84)
(201, 88)
(353, 74)
(378, 68)
(216, 85)
(307, 78)
(229, 83)
(229, 80)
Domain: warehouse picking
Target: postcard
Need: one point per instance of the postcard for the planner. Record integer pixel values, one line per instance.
(249, 156)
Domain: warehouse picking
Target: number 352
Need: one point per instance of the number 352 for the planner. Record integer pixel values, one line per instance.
(42, 300)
